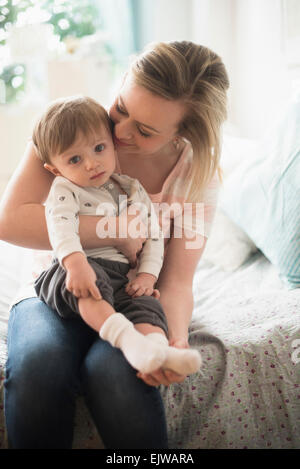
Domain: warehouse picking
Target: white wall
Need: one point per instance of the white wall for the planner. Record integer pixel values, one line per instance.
(172, 20)
(248, 34)
(213, 25)
(262, 83)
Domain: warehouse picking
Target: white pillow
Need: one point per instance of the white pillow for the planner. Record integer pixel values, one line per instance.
(228, 247)
(262, 196)
(236, 150)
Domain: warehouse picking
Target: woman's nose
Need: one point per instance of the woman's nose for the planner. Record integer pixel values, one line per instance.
(123, 130)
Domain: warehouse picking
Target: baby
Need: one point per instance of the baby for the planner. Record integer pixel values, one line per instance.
(73, 138)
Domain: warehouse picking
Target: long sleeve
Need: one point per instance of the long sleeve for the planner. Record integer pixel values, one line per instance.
(152, 255)
(62, 209)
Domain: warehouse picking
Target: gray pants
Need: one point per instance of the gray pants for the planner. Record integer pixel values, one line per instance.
(111, 280)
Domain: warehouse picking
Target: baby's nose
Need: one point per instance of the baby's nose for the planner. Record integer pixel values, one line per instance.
(90, 163)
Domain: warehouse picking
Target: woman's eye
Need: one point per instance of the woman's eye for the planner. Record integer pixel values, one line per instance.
(99, 148)
(120, 110)
(74, 159)
(144, 134)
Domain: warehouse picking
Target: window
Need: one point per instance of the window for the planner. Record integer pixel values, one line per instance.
(31, 28)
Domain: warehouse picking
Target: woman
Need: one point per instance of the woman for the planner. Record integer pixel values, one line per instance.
(167, 117)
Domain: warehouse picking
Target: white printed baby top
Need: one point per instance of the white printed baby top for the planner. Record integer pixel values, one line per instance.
(66, 201)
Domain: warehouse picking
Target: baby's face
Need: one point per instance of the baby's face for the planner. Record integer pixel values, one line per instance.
(89, 162)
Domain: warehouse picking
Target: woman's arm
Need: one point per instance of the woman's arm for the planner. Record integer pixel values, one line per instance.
(175, 284)
(22, 215)
(22, 218)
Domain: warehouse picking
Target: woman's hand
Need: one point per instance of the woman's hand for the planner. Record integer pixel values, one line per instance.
(130, 247)
(130, 241)
(165, 377)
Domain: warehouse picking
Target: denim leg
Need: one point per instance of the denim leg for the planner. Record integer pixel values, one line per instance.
(127, 413)
(45, 353)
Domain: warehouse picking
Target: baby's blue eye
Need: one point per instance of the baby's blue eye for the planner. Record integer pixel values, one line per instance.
(74, 159)
(99, 148)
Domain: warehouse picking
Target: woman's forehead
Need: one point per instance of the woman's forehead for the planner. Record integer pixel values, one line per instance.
(149, 108)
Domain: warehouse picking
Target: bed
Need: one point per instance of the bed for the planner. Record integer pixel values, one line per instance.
(246, 324)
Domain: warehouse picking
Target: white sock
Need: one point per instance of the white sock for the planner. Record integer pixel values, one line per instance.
(182, 361)
(143, 354)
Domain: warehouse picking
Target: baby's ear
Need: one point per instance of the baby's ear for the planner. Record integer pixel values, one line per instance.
(52, 169)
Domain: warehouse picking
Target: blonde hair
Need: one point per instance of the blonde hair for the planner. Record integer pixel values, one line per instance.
(195, 76)
(58, 127)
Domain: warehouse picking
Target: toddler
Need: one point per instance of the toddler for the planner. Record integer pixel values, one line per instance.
(74, 140)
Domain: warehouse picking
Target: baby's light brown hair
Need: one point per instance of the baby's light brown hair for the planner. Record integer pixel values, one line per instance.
(58, 127)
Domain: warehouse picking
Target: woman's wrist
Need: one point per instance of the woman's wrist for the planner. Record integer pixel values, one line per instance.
(178, 309)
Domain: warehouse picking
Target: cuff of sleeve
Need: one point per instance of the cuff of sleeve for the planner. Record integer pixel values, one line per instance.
(66, 248)
(149, 267)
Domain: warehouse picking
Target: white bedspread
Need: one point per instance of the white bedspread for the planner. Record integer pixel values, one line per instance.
(247, 327)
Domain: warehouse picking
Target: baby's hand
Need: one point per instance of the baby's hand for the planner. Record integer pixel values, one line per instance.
(142, 285)
(80, 278)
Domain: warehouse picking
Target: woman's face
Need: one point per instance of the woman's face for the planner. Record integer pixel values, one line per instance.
(145, 124)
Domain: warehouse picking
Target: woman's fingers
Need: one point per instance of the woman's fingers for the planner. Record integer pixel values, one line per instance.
(173, 377)
(148, 379)
(131, 247)
(155, 378)
(165, 377)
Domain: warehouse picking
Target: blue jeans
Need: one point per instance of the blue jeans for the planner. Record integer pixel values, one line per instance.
(50, 361)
